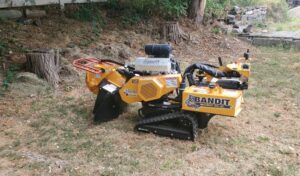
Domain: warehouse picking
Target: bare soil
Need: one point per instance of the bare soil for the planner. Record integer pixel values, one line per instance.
(50, 132)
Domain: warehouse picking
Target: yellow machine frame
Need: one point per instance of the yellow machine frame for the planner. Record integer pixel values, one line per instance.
(173, 104)
(147, 88)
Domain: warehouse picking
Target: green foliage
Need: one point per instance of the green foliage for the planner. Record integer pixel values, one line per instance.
(3, 48)
(277, 8)
(132, 11)
(277, 114)
(243, 3)
(10, 75)
(1, 20)
(86, 12)
(263, 139)
(260, 24)
(130, 19)
(173, 8)
(216, 30)
(113, 5)
(216, 7)
(291, 24)
(89, 12)
(278, 11)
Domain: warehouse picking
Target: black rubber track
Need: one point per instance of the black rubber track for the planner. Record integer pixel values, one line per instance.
(168, 117)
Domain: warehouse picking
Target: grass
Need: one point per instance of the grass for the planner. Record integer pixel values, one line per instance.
(273, 74)
(291, 24)
(263, 138)
(58, 127)
(171, 164)
(277, 114)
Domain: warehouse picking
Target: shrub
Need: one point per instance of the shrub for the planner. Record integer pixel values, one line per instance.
(10, 75)
(89, 12)
(278, 11)
(138, 9)
(2, 48)
(171, 9)
(216, 8)
(244, 3)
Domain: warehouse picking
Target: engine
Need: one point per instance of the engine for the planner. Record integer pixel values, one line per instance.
(159, 60)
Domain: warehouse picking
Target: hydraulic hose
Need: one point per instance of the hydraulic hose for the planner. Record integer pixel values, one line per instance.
(205, 68)
(210, 70)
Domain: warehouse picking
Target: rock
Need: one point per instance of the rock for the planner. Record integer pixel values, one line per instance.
(230, 19)
(236, 26)
(248, 29)
(287, 150)
(249, 12)
(235, 10)
(10, 14)
(32, 78)
(27, 21)
(37, 22)
(237, 30)
(32, 95)
(35, 13)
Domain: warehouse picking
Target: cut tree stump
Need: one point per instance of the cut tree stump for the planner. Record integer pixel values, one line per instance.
(45, 63)
(171, 31)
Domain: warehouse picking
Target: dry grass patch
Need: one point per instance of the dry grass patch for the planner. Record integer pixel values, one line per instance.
(53, 133)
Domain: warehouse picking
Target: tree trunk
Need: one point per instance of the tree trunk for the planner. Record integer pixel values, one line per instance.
(171, 31)
(45, 63)
(196, 11)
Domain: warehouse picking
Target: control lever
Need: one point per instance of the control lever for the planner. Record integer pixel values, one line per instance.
(247, 55)
(220, 61)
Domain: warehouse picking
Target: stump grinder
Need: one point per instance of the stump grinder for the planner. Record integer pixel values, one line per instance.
(174, 103)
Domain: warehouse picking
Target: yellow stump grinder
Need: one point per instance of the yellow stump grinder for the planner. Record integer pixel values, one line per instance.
(174, 104)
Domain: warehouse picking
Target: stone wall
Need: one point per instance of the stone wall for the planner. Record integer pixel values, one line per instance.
(294, 3)
(24, 3)
(242, 20)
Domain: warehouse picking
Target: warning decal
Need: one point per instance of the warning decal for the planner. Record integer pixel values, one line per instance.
(171, 82)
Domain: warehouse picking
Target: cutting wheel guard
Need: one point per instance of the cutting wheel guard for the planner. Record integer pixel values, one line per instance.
(88, 64)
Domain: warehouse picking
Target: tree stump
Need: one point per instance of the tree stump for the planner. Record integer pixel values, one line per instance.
(172, 32)
(45, 63)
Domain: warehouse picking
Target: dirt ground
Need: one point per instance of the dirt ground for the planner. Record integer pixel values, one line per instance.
(63, 33)
(50, 132)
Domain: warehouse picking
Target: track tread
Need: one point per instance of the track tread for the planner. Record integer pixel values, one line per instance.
(172, 116)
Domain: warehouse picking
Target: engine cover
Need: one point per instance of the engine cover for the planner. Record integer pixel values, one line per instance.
(149, 88)
(153, 65)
